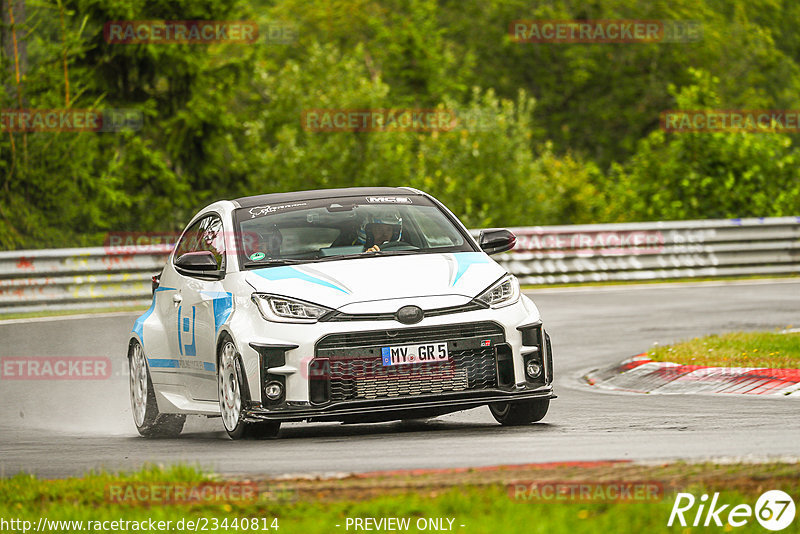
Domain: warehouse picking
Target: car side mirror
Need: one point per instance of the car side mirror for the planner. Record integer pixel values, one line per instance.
(200, 262)
(496, 240)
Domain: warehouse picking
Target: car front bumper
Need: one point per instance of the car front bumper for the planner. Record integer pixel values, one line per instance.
(287, 352)
(394, 408)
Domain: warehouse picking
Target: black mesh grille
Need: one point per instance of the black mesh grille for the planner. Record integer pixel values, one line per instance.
(360, 375)
(367, 378)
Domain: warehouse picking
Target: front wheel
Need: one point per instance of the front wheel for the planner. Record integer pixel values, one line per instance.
(232, 395)
(149, 422)
(519, 412)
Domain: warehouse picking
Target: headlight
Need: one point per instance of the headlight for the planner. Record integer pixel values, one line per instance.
(286, 310)
(502, 293)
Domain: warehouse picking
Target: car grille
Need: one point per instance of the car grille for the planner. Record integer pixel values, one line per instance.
(355, 372)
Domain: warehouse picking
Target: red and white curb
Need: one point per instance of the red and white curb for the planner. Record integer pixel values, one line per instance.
(642, 375)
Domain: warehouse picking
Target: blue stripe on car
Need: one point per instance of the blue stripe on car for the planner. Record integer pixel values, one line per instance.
(223, 306)
(163, 362)
(465, 260)
(287, 273)
(138, 325)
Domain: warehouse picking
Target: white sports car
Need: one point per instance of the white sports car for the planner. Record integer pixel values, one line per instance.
(353, 305)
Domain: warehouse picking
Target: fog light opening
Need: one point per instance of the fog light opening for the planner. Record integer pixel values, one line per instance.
(273, 391)
(533, 369)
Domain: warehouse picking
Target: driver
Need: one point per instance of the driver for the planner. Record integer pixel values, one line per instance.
(376, 231)
(269, 241)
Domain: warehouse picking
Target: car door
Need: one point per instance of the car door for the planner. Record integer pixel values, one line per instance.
(200, 306)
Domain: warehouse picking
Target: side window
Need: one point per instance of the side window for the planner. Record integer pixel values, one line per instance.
(188, 242)
(212, 239)
(204, 234)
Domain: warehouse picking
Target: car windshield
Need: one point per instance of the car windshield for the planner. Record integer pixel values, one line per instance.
(318, 230)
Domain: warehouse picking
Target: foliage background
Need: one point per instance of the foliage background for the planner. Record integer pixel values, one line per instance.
(568, 132)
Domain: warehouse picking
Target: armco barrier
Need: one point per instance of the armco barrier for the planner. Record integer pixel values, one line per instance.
(77, 278)
(655, 250)
(33, 280)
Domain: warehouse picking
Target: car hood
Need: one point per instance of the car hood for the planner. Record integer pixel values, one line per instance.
(381, 284)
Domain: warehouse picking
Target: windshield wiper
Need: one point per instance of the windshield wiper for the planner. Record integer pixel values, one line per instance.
(368, 255)
(392, 252)
(273, 262)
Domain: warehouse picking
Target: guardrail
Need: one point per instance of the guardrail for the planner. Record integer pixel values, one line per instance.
(33, 280)
(655, 250)
(77, 278)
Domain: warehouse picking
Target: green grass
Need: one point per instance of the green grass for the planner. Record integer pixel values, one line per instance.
(481, 507)
(739, 349)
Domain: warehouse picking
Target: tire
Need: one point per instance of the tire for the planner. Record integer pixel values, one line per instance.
(520, 412)
(233, 394)
(149, 422)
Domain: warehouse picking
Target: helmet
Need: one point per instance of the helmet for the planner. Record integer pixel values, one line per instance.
(364, 234)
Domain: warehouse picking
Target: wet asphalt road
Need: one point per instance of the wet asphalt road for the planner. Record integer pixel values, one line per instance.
(61, 428)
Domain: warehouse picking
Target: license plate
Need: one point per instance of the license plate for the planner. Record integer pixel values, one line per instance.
(414, 354)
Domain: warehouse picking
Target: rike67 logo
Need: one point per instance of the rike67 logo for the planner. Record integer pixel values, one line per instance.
(774, 510)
